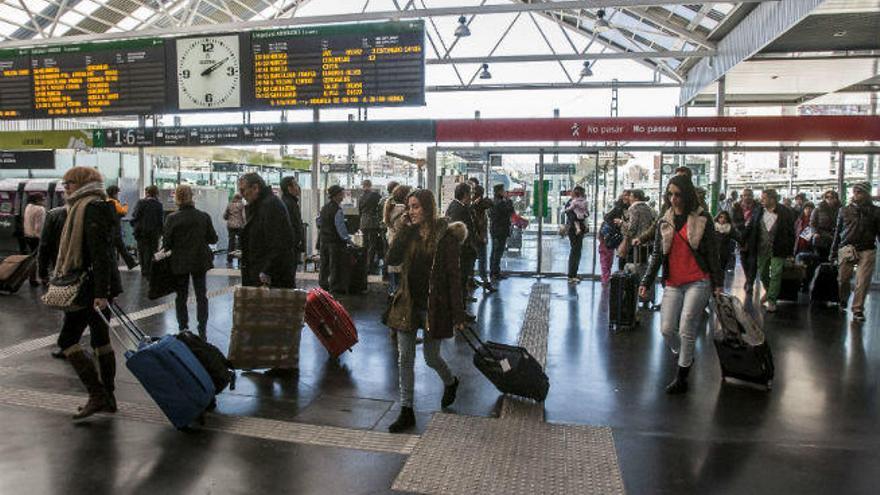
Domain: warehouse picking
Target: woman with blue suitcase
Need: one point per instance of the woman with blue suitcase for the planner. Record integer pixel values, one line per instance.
(685, 245)
(86, 252)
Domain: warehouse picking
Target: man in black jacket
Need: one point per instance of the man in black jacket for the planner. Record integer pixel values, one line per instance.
(146, 218)
(460, 211)
(855, 241)
(48, 251)
(334, 236)
(368, 207)
(745, 216)
(267, 237)
(499, 229)
(824, 222)
(775, 243)
(290, 192)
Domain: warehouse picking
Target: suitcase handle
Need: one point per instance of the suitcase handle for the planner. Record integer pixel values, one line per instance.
(127, 323)
(469, 333)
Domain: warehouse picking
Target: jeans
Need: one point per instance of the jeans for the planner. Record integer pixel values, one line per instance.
(406, 352)
(198, 281)
(682, 313)
(481, 256)
(147, 245)
(574, 256)
(234, 241)
(75, 323)
(865, 261)
(499, 244)
(770, 269)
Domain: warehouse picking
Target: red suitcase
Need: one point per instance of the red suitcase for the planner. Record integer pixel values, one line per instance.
(330, 322)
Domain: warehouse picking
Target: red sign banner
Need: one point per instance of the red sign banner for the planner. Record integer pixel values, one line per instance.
(795, 128)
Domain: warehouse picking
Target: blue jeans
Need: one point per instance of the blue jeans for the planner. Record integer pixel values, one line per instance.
(682, 316)
(406, 352)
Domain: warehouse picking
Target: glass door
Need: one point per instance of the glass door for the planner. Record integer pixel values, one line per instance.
(702, 167)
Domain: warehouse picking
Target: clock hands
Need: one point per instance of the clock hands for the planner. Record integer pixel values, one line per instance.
(214, 67)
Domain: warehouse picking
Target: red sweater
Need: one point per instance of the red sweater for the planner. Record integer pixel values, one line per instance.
(683, 267)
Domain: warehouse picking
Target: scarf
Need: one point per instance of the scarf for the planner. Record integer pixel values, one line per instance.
(722, 228)
(70, 255)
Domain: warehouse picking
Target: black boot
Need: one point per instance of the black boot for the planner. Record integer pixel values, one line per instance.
(107, 367)
(85, 369)
(405, 421)
(449, 394)
(680, 384)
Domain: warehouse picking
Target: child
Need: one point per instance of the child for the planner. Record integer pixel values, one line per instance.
(723, 237)
(578, 207)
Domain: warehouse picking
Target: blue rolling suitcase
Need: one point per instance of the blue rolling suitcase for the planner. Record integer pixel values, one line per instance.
(169, 372)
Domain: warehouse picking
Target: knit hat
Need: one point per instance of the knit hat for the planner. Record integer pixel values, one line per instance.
(864, 187)
(334, 190)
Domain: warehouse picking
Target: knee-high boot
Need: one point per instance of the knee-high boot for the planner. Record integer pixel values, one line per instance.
(85, 369)
(107, 367)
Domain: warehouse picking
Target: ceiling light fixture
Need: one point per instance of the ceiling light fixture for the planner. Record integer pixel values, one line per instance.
(839, 34)
(485, 74)
(602, 24)
(587, 71)
(462, 31)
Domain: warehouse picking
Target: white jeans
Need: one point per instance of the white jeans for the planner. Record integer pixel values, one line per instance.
(681, 316)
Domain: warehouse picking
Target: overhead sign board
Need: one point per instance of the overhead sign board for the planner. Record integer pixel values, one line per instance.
(42, 159)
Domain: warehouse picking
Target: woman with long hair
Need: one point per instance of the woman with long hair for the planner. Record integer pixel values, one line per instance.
(394, 209)
(428, 250)
(685, 245)
(86, 247)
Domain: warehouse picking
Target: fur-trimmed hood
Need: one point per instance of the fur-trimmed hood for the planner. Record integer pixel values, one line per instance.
(456, 229)
(696, 227)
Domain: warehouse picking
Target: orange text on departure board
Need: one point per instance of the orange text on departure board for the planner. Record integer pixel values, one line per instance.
(60, 93)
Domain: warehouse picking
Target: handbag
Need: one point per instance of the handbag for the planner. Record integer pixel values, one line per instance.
(64, 291)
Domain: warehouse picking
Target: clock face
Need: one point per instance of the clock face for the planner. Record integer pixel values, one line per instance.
(208, 72)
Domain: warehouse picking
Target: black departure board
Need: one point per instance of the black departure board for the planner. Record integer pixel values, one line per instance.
(113, 78)
(16, 94)
(339, 65)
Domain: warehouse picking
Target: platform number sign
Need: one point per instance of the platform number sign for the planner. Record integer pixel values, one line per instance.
(208, 72)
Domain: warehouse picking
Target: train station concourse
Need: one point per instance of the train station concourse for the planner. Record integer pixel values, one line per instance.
(439, 247)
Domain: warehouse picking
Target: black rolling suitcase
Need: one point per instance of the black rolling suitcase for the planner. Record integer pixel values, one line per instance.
(793, 274)
(357, 283)
(823, 287)
(623, 301)
(14, 270)
(510, 368)
(742, 348)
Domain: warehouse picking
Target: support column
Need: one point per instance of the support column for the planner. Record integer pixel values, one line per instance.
(431, 171)
(540, 199)
(720, 111)
(144, 178)
(841, 174)
(317, 194)
(869, 168)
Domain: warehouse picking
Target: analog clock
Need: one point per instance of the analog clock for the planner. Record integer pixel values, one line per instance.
(208, 72)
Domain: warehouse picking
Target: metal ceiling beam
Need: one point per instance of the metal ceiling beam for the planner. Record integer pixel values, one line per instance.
(504, 59)
(540, 86)
(763, 25)
(666, 25)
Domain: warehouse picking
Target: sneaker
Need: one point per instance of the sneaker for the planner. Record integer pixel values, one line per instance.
(771, 307)
(858, 316)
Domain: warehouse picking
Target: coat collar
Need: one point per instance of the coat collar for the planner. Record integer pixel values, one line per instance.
(696, 227)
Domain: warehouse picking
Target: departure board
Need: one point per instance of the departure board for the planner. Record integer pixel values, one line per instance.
(114, 78)
(339, 65)
(16, 96)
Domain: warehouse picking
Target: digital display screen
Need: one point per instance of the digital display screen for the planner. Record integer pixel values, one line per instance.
(120, 78)
(16, 93)
(339, 65)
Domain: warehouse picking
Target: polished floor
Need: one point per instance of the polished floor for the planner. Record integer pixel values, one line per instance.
(816, 431)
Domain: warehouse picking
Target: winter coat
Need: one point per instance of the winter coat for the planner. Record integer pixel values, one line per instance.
(784, 237)
(745, 232)
(234, 215)
(858, 226)
(445, 302)
(499, 216)
(368, 207)
(188, 233)
(700, 237)
(639, 218)
(99, 253)
(459, 212)
(34, 217)
(824, 221)
(294, 213)
(481, 219)
(146, 218)
(49, 239)
(267, 243)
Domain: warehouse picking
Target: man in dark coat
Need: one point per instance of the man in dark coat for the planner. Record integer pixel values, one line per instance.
(460, 211)
(499, 229)
(290, 192)
(745, 216)
(775, 243)
(855, 244)
(267, 237)
(334, 237)
(824, 221)
(368, 207)
(146, 219)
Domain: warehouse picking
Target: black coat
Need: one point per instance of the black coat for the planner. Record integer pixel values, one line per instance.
(857, 225)
(267, 242)
(188, 233)
(746, 233)
(99, 253)
(49, 239)
(294, 213)
(499, 217)
(459, 212)
(368, 207)
(785, 237)
(146, 218)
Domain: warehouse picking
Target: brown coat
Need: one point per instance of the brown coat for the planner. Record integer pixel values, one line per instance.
(445, 302)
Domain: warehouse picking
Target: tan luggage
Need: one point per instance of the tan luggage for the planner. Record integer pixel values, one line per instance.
(266, 327)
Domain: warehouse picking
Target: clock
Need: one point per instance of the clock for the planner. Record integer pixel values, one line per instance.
(208, 72)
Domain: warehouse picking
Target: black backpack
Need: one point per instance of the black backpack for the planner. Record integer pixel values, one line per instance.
(218, 367)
